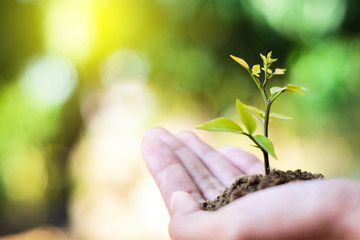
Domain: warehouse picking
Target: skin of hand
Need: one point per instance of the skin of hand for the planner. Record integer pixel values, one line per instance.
(187, 171)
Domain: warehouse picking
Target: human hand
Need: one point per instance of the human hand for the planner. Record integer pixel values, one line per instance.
(188, 171)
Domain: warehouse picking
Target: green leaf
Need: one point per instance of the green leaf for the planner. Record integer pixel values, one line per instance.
(222, 125)
(256, 70)
(256, 146)
(247, 119)
(241, 62)
(266, 144)
(276, 91)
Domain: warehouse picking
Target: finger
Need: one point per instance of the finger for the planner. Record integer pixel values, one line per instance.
(208, 186)
(219, 165)
(167, 170)
(183, 202)
(243, 160)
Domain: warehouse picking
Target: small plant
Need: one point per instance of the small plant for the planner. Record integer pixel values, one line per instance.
(248, 113)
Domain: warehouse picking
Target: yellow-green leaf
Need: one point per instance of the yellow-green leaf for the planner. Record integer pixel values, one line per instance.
(279, 116)
(296, 87)
(222, 125)
(247, 119)
(241, 62)
(256, 70)
(269, 56)
(279, 71)
(263, 58)
(259, 114)
(276, 89)
(254, 109)
(266, 144)
(295, 91)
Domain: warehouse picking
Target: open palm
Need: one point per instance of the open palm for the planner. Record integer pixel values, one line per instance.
(187, 171)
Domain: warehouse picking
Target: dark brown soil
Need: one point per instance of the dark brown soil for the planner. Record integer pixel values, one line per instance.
(248, 184)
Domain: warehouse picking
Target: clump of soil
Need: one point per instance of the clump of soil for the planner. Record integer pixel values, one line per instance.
(248, 184)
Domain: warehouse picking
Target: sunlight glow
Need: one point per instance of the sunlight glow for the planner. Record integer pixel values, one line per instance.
(70, 28)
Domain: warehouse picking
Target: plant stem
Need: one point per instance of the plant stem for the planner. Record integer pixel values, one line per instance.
(266, 133)
(266, 162)
(266, 117)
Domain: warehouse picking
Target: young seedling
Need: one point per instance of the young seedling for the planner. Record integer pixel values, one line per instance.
(248, 113)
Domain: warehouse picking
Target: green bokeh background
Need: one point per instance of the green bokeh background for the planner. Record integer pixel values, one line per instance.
(183, 48)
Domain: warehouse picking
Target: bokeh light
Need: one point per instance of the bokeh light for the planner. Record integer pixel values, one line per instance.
(124, 65)
(32, 171)
(305, 21)
(49, 81)
(82, 80)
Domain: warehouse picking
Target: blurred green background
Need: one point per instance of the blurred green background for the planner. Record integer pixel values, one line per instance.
(55, 54)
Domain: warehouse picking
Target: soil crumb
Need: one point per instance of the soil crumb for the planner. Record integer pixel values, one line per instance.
(248, 184)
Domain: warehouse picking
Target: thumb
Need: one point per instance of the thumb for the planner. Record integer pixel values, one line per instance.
(183, 203)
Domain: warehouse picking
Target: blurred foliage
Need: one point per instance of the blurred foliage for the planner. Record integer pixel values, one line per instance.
(181, 49)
